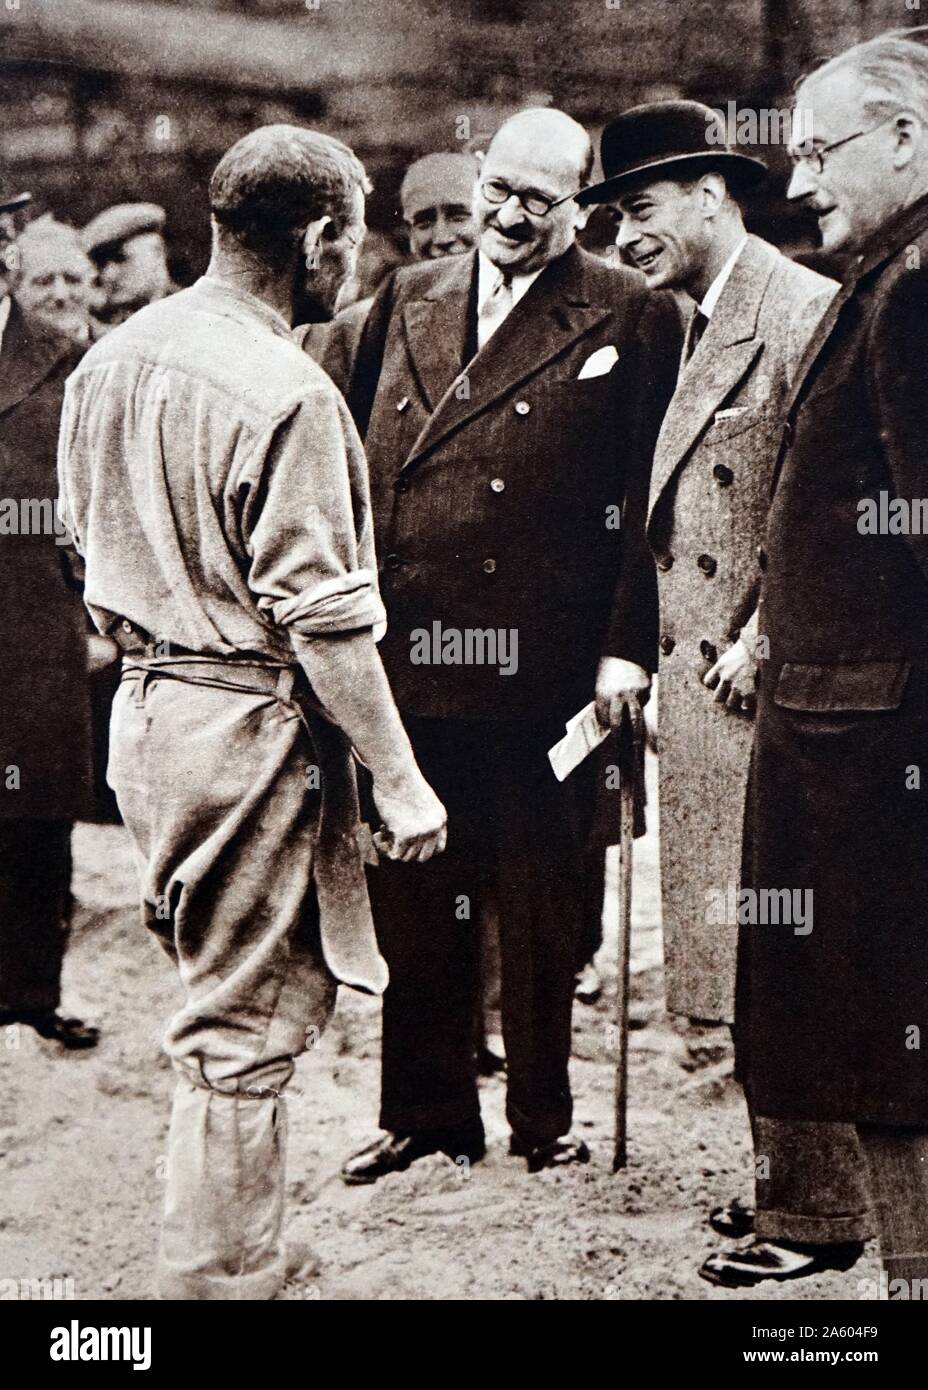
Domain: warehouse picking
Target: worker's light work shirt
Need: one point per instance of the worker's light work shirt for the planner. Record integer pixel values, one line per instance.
(212, 478)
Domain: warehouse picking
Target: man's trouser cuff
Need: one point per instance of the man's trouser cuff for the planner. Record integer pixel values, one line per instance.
(813, 1230)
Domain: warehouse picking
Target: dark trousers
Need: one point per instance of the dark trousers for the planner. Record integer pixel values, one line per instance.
(514, 832)
(811, 1185)
(35, 888)
(898, 1165)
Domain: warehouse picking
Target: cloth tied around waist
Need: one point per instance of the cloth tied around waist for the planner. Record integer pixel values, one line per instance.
(346, 926)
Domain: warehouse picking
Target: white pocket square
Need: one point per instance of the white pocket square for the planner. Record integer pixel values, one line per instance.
(598, 363)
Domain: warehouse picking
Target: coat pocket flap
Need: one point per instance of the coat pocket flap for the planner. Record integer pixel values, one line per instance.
(844, 686)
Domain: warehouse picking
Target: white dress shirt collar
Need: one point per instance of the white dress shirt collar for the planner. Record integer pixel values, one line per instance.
(711, 297)
(6, 305)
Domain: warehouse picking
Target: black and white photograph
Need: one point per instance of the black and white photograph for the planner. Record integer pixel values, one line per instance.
(464, 685)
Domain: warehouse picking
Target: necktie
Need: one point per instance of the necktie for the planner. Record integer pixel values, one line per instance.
(697, 327)
(494, 309)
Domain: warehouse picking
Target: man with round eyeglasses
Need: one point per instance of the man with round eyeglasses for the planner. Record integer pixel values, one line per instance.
(510, 400)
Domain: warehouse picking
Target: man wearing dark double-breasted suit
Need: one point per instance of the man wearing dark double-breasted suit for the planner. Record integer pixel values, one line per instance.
(44, 695)
(510, 400)
(830, 1021)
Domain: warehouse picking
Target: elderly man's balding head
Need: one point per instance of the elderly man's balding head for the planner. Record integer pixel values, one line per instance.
(524, 204)
(550, 135)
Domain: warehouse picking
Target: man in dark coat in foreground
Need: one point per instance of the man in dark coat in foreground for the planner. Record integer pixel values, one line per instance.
(44, 695)
(829, 1013)
(511, 399)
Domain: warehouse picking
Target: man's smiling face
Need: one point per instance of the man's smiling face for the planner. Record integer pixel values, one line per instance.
(864, 181)
(520, 242)
(662, 231)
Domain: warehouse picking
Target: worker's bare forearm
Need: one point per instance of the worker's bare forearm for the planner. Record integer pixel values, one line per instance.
(347, 675)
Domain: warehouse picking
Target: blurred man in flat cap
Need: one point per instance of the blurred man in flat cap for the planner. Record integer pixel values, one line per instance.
(126, 244)
(674, 189)
(44, 704)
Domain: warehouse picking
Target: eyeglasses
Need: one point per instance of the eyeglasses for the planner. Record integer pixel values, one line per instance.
(497, 192)
(815, 155)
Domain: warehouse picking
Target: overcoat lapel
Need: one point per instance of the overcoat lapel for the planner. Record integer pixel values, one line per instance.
(28, 354)
(899, 232)
(726, 352)
(553, 313)
(436, 329)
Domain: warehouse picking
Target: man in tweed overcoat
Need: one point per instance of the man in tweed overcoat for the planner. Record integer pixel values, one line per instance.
(680, 222)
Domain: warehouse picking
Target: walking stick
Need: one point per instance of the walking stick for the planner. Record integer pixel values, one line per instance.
(631, 783)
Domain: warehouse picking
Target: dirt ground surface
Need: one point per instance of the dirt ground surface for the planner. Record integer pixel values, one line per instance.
(82, 1139)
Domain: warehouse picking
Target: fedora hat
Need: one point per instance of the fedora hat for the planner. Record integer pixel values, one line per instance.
(666, 139)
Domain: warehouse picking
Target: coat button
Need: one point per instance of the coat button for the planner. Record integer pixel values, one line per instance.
(522, 407)
(788, 434)
(664, 562)
(722, 475)
(666, 644)
(393, 562)
(402, 403)
(489, 566)
(498, 485)
(401, 485)
(761, 557)
(708, 565)
(708, 651)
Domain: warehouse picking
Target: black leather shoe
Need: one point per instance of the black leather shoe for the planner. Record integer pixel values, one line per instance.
(751, 1264)
(394, 1153)
(736, 1220)
(589, 984)
(71, 1033)
(556, 1154)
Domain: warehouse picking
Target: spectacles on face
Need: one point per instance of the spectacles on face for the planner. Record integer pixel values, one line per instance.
(497, 193)
(814, 155)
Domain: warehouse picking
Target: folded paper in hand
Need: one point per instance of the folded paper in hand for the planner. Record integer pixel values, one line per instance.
(584, 733)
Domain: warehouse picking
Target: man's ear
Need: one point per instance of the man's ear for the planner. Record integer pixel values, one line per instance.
(310, 243)
(582, 216)
(711, 192)
(909, 132)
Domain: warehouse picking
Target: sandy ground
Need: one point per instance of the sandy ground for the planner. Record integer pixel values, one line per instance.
(82, 1142)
